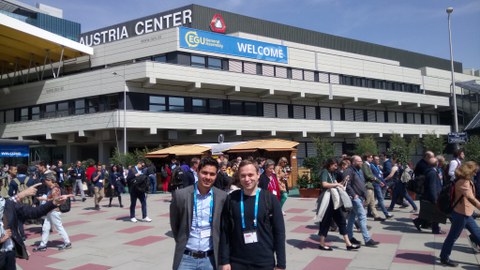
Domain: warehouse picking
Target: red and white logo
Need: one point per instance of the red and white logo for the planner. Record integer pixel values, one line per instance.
(218, 24)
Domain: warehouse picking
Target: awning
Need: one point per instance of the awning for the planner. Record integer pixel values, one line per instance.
(24, 46)
(267, 145)
(473, 85)
(180, 150)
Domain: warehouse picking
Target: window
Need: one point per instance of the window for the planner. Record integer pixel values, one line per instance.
(336, 114)
(236, 107)
(9, 116)
(249, 68)
(214, 63)
(157, 104)
(268, 70)
(251, 108)
(176, 104)
(35, 111)
(79, 106)
(50, 110)
(62, 109)
(93, 105)
(235, 65)
(111, 103)
(198, 61)
(199, 105)
(2, 117)
(280, 72)
(324, 113)
(23, 114)
(160, 58)
(297, 74)
(216, 106)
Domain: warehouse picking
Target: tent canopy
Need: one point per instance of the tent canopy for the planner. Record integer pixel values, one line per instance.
(268, 145)
(180, 150)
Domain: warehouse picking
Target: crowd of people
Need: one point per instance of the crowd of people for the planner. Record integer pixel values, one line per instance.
(227, 214)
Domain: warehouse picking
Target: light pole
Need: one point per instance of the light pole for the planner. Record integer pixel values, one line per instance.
(124, 112)
(454, 92)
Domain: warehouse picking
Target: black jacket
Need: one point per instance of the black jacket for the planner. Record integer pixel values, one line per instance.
(356, 184)
(15, 211)
(263, 181)
(432, 185)
(188, 179)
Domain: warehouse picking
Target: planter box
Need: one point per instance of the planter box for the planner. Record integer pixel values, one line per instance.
(309, 192)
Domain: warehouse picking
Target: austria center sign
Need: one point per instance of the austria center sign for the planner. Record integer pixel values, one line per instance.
(199, 40)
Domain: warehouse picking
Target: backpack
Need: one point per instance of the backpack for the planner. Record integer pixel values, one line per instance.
(21, 187)
(445, 201)
(163, 173)
(140, 184)
(177, 179)
(5, 187)
(65, 207)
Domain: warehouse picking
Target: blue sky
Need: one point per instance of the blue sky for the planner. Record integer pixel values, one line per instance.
(414, 25)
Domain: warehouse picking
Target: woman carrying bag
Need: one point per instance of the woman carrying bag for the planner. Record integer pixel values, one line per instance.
(328, 178)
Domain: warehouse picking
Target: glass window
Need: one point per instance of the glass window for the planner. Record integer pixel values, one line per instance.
(2, 117)
(50, 110)
(62, 109)
(160, 58)
(214, 63)
(79, 106)
(9, 116)
(251, 108)
(176, 104)
(23, 114)
(216, 106)
(157, 104)
(199, 105)
(93, 105)
(112, 102)
(35, 113)
(198, 61)
(236, 107)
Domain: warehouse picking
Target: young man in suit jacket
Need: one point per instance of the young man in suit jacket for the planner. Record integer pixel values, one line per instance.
(195, 220)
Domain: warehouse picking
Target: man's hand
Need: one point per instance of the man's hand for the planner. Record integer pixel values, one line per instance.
(61, 199)
(30, 191)
(226, 267)
(382, 184)
(8, 234)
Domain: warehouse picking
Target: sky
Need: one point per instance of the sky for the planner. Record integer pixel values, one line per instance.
(414, 25)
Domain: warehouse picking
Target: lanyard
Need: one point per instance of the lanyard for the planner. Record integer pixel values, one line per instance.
(195, 204)
(242, 209)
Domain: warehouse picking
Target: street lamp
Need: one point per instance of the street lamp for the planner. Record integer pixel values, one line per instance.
(455, 116)
(124, 112)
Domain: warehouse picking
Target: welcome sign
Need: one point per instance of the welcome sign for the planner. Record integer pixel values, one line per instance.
(199, 40)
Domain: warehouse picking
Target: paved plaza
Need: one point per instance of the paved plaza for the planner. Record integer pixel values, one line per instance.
(106, 239)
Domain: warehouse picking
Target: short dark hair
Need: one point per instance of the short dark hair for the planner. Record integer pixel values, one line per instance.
(22, 169)
(208, 161)
(457, 153)
(195, 160)
(329, 162)
(42, 163)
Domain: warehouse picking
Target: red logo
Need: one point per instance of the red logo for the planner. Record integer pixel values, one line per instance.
(218, 24)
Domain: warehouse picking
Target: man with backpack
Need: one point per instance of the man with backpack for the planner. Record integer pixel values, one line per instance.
(17, 185)
(138, 187)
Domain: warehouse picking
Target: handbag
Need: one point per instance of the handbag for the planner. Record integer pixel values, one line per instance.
(84, 186)
(346, 201)
(323, 205)
(337, 202)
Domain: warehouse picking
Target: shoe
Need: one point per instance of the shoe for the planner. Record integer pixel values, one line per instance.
(354, 241)
(110, 205)
(147, 219)
(448, 262)
(413, 211)
(389, 216)
(417, 224)
(371, 243)
(97, 207)
(84, 199)
(121, 205)
(134, 220)
(473, 244)
(389, 209)
(65, 246)
(378, 219)
(404, 205)
(327, 248)
(353, 246)
(39, 248)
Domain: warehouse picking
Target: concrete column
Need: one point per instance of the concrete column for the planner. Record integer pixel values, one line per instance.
(103, 153)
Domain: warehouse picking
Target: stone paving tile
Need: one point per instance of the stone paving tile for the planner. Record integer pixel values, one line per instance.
(94, 212)
(295, 210)
(309, 229)
(300, 218)
(135, 229)
(91, 266)
(387, 238)
(76, 222)
(328, 263)
(414, 257)
(146, 240)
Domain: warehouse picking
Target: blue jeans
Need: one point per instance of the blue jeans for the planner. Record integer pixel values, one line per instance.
(377, 189)
(399, 190)
(358, 211)
(133, 203)
(459, 222)
(190, 263)
(153, 183)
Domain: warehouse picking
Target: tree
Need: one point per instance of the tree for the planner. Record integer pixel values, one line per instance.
(325, 150)
(430, 142)
(472, 149)
(131, 158)
(402, 149)
(365, 145)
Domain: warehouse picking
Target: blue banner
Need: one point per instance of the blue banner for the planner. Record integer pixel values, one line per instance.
(14, 151)
(199, 40)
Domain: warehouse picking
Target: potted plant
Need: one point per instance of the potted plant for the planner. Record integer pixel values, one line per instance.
(308, 188)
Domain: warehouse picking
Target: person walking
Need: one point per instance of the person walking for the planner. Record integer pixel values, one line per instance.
(116, 183)
(134, 175)
(98, 179)
(464, 204)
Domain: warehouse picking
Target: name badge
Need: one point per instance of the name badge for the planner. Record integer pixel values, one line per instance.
(274, 192)
(79, 174)
(101, 181)
(250, 237)
(205, 233)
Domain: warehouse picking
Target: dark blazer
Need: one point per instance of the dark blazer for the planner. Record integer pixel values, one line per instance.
(263, 181)
(13, 212)
(432, 185)
(181, 214)
(188, 178)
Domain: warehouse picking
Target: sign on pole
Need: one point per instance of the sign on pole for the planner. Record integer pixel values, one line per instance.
(457, 137)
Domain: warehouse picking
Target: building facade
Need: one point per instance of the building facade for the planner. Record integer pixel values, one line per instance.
(193, 73)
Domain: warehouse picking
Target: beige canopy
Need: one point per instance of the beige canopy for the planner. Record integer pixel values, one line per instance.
(267, 145)
(180, 150)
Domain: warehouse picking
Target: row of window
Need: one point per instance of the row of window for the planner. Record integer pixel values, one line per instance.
(280, 71)
(161, 103)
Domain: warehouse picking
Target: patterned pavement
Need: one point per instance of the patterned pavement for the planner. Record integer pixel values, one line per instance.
(106, 239)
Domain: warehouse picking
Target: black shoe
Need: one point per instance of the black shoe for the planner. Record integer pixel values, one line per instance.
(121, 205)
(353, 246)
(65, 246)
(448, 262)
(389, 216)
(39, 248)
(354, 241)
(378, 219)
(417, 224)
(97, 207)
(327, 248)
(371, 243)
(84, 199)
(439, 232)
